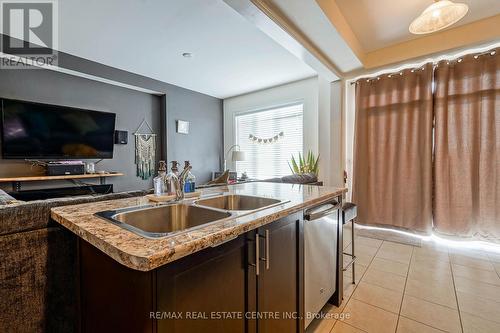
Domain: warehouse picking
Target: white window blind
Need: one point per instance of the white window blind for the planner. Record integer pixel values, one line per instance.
(270, 160)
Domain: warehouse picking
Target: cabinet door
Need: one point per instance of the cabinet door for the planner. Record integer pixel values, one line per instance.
(279, 287)
(201, 287)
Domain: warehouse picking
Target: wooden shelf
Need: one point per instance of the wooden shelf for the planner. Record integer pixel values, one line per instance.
(35, 178)
(16, 181)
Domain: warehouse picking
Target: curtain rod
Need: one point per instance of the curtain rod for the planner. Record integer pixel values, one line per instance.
(476, 56)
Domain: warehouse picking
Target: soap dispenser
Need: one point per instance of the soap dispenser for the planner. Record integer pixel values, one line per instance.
(159, 181)
(171, 179)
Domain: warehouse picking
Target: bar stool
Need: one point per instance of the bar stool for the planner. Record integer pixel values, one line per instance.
(349, 213)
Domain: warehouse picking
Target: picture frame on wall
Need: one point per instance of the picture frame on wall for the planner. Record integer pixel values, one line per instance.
(182, 127)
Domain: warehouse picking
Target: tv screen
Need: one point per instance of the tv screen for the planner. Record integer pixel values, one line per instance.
(42, 131)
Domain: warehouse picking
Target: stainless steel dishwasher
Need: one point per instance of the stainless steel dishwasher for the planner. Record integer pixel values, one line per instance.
(320, 256)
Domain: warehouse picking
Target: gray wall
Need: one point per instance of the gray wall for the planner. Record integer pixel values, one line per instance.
(51, 87)
(202, 146)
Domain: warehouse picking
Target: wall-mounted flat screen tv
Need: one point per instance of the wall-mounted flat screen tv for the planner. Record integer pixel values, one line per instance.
(41, 131)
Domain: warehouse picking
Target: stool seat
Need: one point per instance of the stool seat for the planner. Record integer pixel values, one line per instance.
(350, 212)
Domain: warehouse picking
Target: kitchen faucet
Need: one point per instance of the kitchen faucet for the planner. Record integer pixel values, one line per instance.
(176, 183)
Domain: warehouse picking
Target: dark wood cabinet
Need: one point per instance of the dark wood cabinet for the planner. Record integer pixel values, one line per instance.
(196, 293)
(205, 288)
(278, 285)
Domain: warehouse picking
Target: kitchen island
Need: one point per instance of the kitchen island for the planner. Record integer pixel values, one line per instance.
(241, 273)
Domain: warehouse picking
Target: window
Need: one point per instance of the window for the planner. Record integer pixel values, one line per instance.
(270, 160)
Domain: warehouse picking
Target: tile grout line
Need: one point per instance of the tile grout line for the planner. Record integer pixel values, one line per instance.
(400, 315)
(356, 286)
(427, 324)
(404, 289)
(456, 296)
(494, 266)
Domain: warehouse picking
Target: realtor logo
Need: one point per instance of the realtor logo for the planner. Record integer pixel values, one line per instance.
(29, 33)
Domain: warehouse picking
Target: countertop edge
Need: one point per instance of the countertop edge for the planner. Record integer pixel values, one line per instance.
(167, 256)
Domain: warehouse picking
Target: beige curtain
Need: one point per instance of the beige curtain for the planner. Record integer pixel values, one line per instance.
(467, 147)
(393, 150)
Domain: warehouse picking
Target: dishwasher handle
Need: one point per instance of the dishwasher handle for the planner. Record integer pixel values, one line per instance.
(321, 211)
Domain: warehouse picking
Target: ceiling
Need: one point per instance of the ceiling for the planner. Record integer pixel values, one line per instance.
(147, 37)
(382, 23)
(310, 19)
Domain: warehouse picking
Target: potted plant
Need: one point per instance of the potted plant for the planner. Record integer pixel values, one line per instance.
(305, 164)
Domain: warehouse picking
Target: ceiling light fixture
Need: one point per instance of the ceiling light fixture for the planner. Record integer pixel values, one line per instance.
(440, 15)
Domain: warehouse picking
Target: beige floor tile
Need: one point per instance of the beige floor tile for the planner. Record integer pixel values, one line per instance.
(476, 274)
(424, 253)
(406, 325)
(325, 323)
(434, 246)
(390, 266)
(384, 279)
(369, 318)
(374, 295)
(479, 289)
(497, 267)
(469, 253)
(346, 236)
(429, 271)
(398, 247)
(430, 275)
(341, 327)
(478, 306)
(433, 291)
(474, 324)
(360, 271)
(431, 314)
(368, 241)
(494, 257)
(320, 326)
(348, 288)
(430, 262)
(361, 258)
(365, 249)
(348, 277)
(471, 262)
(394, 255)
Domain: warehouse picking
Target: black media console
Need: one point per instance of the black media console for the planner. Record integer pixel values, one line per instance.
(29, 195)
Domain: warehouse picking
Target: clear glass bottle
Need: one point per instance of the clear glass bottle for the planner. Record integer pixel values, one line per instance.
(159, 181)
(189, 183)
(191, 180)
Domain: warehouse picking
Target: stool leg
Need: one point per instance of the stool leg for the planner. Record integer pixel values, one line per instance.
(353, 253)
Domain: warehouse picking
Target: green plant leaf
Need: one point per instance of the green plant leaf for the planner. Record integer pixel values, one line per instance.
(307, 163)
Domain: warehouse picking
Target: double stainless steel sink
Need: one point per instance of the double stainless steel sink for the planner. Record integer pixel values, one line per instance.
(164, 220)
(234, 202)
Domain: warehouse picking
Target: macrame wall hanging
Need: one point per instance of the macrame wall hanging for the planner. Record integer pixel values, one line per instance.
(145, 152)
(265, 141)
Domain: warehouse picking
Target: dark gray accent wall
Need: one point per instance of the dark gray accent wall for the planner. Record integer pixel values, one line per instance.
(203, 146)
(45, 86)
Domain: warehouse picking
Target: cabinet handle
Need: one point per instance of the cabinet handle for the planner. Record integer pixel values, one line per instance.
(266, 259)
(257, 255)
(267, 250)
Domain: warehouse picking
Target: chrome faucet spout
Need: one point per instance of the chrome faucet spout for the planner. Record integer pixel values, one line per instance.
(179, 188)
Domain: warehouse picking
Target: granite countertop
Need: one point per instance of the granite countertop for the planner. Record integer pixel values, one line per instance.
(146, 254)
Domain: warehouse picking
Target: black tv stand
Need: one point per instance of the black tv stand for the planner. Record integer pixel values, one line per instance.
(16, 181)
(49, 193)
